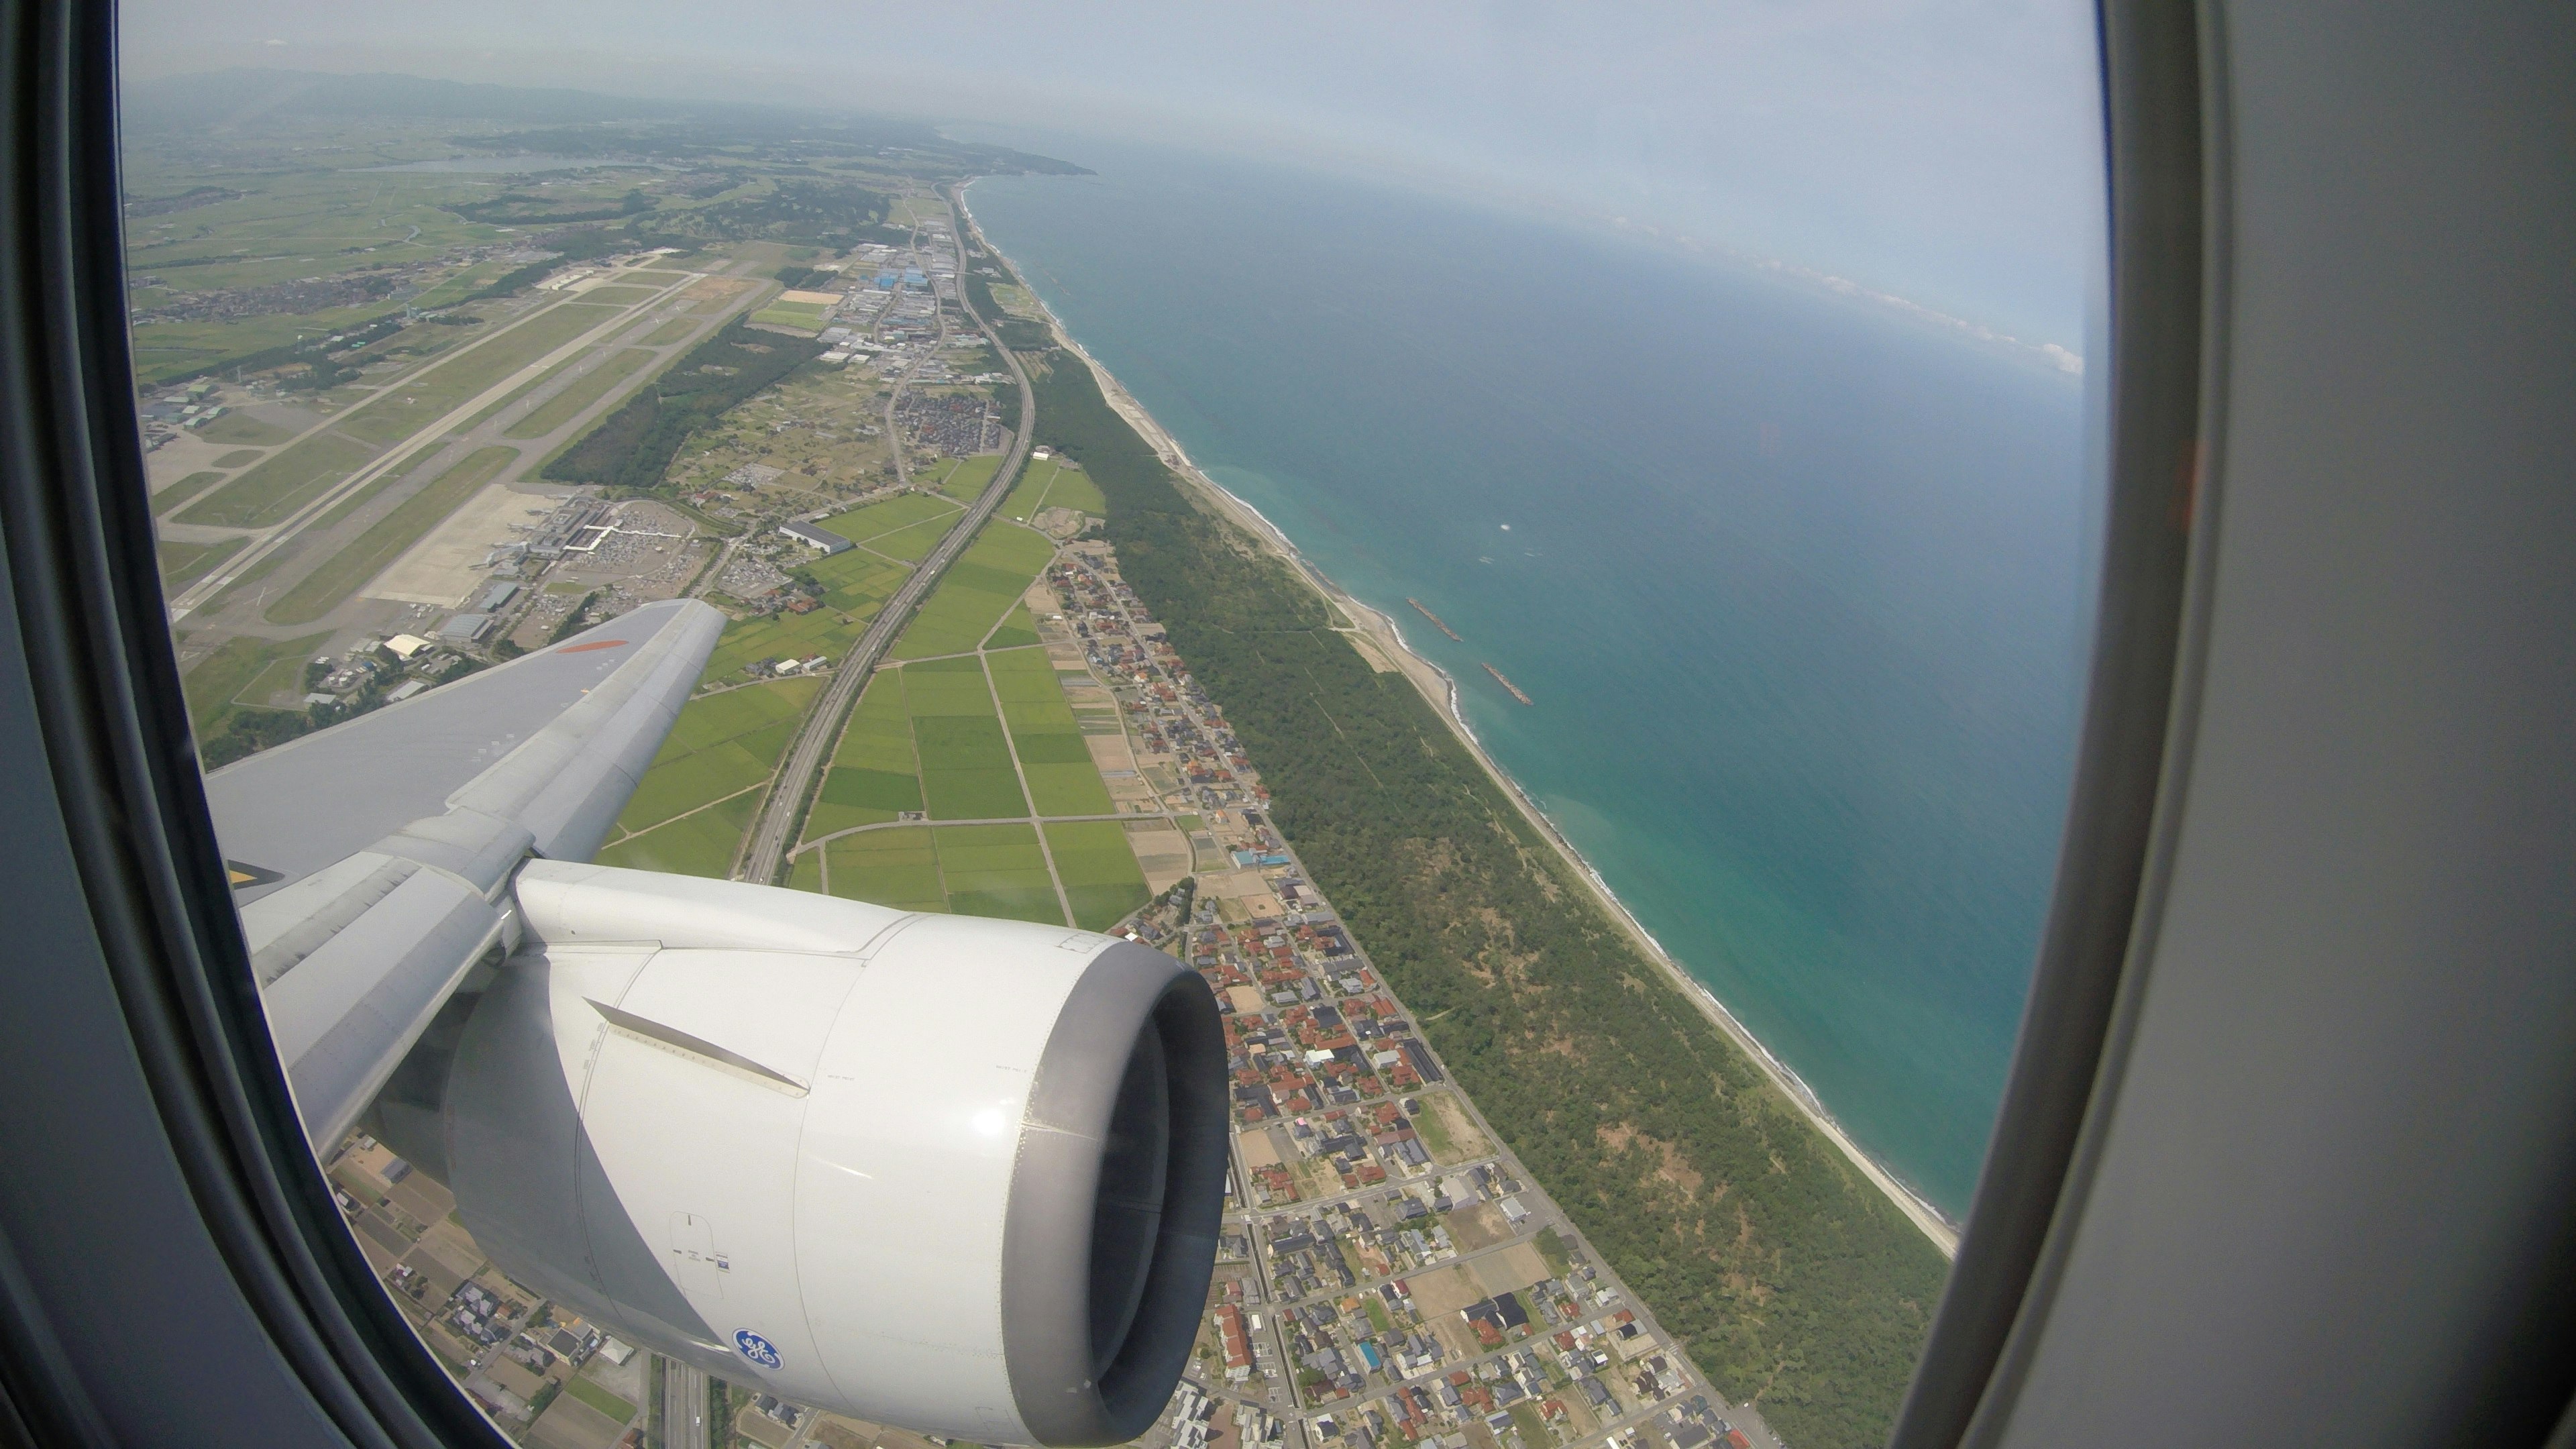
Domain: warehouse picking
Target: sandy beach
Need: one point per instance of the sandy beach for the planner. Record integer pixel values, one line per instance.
(1380, 637)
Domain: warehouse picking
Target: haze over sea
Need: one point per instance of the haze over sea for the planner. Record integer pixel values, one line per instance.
(1798, 585)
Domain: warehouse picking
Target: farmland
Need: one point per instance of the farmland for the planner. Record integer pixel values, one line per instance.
(720, 753)
(978, 590)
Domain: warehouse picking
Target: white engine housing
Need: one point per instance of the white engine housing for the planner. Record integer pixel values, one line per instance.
(959, 1175)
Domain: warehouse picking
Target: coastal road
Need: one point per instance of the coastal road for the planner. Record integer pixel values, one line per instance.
(766, 852)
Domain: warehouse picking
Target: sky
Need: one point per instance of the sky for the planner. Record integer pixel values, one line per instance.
(1944, 151)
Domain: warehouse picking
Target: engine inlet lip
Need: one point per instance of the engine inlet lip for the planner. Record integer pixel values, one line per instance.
(1126, 993)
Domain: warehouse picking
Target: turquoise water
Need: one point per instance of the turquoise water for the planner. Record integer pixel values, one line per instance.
(1798, 587)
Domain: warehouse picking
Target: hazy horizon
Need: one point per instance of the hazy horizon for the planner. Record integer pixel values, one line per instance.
(1944, 153)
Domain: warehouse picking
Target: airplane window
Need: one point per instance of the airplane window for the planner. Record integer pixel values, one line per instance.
(1335, 731)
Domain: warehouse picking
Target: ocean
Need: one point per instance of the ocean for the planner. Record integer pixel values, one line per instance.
(1799, 586)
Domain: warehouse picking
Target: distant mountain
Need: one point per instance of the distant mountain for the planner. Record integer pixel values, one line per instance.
(635, 124)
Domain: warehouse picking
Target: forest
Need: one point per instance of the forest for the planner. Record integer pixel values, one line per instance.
(1791, 1280)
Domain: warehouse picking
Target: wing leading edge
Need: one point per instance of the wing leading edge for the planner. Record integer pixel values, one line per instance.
(383, 849)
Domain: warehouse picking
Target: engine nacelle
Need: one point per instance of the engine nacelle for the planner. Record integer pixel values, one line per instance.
(959, 1175)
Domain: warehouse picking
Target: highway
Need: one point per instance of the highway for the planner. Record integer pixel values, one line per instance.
(684, 1406)
(784, 810)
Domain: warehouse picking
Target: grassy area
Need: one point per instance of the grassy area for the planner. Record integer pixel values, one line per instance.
(1072, 488)
(1551, 1246)
(967, 481)
(806, 317)
(1054, 483)
(702, 844)
(239, 457)
(183, 490)
(1016, 631)
(283, 484)
(368, 555)
(566, 405)
(1022, 503)
(183, 564)
(234, 427)
(976, 592)
(675, 330)
(1101, 878)
(898, 867)
(420, 400)
(914, 544)
(721, 745)
(621, 296)
(856, 585)
(213, 681)
(591, 1393)
(887, 515)
(966, 771)
(1062, 778)
(996, 870)
(874, 774)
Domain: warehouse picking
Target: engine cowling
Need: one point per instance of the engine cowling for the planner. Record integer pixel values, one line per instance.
(959, 1175)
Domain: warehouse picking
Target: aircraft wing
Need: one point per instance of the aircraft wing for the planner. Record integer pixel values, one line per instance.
(372, 860)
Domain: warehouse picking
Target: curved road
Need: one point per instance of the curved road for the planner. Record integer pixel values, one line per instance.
(784, 810)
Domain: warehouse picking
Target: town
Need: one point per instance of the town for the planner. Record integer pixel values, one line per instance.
(350, 520)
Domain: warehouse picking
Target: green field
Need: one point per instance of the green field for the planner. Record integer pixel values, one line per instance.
(368, 555)
(1017, 630)
(914, 544)
(617, 295)
(1072, 488)
(1062, 778)
(971, 870)
(676, 330)
(417, 401)
(240, 457)
(1101, 878)
(806, 317)
(599, 1398)
(1055, 483)
(564, 406)
(692, 806)
(702, 844)
(856, 585)
(875, 520)
(976, 592)
(281, 485)
(1022, 503)
(243, 428)
(996, 870)
(967, 477)
(898, 867)
(966, 771)
(211, 684)
(183, 490)
(183, 564)
(874, 774)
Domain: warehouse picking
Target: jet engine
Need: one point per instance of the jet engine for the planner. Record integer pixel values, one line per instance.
(959, 1175)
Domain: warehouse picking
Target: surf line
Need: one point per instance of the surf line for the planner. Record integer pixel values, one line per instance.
(1437, 622)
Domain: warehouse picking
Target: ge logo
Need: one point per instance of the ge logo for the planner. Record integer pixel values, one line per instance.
(756, 1348)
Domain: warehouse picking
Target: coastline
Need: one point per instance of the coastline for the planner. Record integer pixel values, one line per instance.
(1380, 636)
